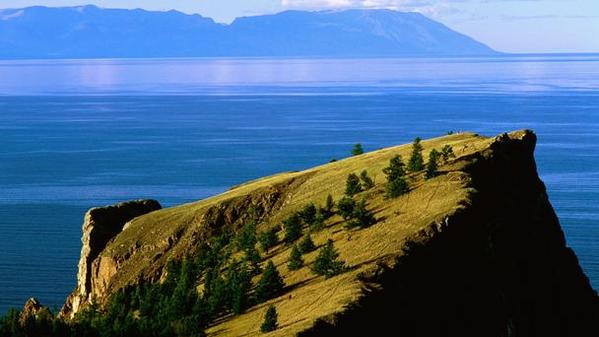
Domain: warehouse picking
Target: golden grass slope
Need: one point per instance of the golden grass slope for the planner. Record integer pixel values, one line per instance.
(149, 241)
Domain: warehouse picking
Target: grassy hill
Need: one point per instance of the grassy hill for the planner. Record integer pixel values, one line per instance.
(479, 243)
(143, 248)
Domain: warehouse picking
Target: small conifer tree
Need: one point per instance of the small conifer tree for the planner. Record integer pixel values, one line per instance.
(352, 185)
(396, 188)
(367, 182)
(268, 239)
(396, 169)
(293, 228)
(327, 263)
(295, 259)
(345, 207)
(396, 182)
(361, 216)
(252, 259)
(239, 283)
(432, 166)
(270, 284)
(357, 150)
(246, 238)
(308, 214)
(319, 220)
(329, 206)
(416, 162)
(270, 320)
(307, 245)
(447, 153)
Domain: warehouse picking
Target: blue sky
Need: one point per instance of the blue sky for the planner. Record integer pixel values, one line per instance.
(506, 25)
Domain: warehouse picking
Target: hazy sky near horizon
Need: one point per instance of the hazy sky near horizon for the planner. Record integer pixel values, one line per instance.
(525, 26)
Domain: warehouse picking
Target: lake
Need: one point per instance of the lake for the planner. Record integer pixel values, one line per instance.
(75, 134)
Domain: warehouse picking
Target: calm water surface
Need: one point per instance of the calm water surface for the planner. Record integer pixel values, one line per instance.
(78, 134)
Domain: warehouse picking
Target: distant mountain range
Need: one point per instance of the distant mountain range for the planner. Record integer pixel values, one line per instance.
(93, 32)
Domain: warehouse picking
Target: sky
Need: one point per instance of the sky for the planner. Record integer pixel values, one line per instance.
(519, 26)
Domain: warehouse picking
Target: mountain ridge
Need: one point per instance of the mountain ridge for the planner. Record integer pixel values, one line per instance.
(94, 32)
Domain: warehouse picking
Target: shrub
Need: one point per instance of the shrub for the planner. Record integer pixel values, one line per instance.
(352, 185)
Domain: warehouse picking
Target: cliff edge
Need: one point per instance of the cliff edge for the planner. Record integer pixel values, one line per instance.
(100, 225)
(475, 251)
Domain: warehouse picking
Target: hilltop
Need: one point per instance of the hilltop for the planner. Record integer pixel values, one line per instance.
(93, 32)
(476, 250)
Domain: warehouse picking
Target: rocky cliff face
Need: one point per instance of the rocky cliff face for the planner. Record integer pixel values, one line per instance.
(476, 251)
(33, 309)
(101, 225)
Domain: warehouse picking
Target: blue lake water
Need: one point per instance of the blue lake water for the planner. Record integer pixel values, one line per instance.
(77, 134)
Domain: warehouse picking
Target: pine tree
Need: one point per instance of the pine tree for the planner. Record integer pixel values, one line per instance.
(367, 182)
(318, 223)
(357, 150)
(396, 188)
(268, 239)
(361, 216)
(326, 262)
(447, 153)
(396, 169)
(416, 162)
(307, 245)
(295, 259)
(396, 182)
(270, 284)
(329, 206)
(246, 238)
(216, 291)
(293, 228)
(432, 166)
(352, 185)
(270, 320)
(180, 299)
(252, 259)
(345, 207)
(308, 214)
(239, 282)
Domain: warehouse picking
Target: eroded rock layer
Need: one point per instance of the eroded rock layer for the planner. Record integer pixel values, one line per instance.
(101, 225)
